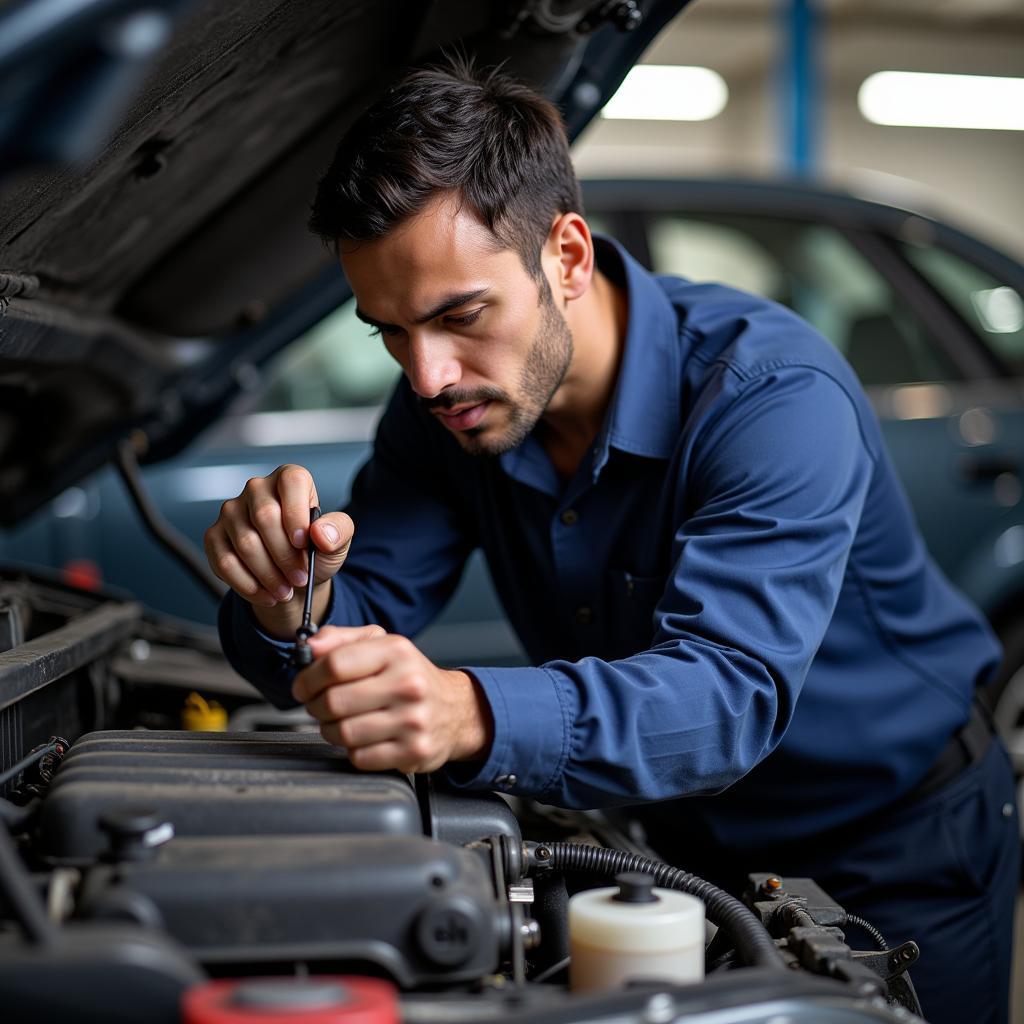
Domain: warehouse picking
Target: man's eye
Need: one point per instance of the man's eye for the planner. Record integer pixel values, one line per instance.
(466, 318)
(387, 330)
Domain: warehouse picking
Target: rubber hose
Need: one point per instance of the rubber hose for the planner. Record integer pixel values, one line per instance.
(754, 946)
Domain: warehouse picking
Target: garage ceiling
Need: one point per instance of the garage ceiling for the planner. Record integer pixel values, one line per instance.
(958, 12)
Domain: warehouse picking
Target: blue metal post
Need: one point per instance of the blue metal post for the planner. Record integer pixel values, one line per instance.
(798, 93)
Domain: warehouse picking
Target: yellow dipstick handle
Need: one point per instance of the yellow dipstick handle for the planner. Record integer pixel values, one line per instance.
(199, 715)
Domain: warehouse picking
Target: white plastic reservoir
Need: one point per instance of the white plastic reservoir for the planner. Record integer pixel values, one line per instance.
(634, 931)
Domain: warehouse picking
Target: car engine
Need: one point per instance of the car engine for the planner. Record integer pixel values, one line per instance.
(154, 873)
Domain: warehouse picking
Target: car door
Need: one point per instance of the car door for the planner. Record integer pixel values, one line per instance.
(989, 426)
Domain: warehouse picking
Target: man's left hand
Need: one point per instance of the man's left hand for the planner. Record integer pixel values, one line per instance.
(388, 705)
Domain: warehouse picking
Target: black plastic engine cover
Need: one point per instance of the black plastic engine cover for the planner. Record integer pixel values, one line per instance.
(95, 973)
(218, 784)
(422, 911)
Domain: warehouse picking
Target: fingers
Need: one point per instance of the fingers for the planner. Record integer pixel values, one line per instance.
(296, 494)
(347, 700)
(346, 662)
(385, 756)
(378, 697)
(251, 534)
(269, 555)
(252, 546)
(380, 741)
(228, 567)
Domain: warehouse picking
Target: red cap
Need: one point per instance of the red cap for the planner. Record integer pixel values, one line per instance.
(324, 999)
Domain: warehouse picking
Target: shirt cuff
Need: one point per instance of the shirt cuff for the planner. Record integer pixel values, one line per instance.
(522, 761)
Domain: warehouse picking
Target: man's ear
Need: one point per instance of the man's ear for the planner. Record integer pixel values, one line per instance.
(568, 257)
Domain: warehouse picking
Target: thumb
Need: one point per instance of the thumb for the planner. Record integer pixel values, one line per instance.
(332, 535)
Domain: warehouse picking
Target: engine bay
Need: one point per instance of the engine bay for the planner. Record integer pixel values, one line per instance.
(152, 872)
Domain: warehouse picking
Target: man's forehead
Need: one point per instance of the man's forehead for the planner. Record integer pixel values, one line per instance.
(442, 230)
(442, 251)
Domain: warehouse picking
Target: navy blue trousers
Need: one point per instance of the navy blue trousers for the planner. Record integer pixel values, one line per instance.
(944, 871)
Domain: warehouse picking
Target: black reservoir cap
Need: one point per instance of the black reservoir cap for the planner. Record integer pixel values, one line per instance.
(635, 887)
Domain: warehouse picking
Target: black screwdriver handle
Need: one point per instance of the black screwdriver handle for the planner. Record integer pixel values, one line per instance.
(303, 655)
(307, 611)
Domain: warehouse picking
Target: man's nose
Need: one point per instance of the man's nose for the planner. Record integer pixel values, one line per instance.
(433, 365)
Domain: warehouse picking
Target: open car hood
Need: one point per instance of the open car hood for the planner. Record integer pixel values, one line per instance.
(144, 283)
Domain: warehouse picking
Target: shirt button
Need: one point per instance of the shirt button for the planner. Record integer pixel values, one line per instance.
(584, 615)
(505, 781)
(570, 517)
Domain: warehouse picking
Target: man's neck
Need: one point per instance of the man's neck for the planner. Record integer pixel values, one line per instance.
(577, 412)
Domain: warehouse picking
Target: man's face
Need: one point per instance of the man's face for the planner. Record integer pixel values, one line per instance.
(480, 340)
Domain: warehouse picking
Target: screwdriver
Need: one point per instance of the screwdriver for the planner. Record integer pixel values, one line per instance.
(303, 653)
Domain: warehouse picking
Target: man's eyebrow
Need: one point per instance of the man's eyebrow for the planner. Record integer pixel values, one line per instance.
(451, 302)
(369, 319)
(447, 303)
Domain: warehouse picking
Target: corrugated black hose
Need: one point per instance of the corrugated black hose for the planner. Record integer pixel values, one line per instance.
(754, 946)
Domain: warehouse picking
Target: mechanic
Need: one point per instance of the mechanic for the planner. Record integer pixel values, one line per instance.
(692, 523)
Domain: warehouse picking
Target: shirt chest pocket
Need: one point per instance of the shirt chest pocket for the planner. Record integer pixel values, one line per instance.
(631, 603)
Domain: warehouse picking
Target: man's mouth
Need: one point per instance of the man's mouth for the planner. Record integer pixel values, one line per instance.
(463, 417)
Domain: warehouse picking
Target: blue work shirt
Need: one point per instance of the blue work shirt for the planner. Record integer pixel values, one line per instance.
(729, 597)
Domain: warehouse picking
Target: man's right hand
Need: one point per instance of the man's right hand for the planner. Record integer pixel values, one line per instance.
(257, 547)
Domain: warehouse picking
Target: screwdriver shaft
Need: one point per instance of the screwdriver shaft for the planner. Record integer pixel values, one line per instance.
(307, 610)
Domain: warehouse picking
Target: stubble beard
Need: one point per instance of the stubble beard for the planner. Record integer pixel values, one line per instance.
(547, 363)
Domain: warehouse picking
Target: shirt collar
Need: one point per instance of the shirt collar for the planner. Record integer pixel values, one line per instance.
(644, 417)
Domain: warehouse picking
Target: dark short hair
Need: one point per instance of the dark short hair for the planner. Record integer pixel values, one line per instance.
(493, 143)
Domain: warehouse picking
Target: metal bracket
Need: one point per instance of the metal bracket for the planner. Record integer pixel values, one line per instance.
(892, 962)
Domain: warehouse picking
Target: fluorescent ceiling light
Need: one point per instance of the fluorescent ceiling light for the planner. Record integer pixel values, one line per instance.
(662, 92)
(919, 100)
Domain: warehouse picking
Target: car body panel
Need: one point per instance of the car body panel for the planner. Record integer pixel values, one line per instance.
(140, 285)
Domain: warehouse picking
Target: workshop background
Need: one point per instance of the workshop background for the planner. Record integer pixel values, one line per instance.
(793, 70)
(778, 90)
(794, 74)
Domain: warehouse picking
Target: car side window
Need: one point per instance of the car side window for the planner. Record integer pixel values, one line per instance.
(817, 272)
(992, 307)
(599, 224)
(336, 364)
